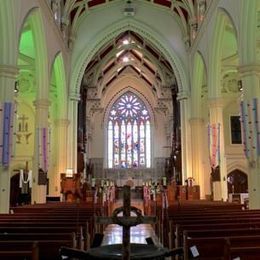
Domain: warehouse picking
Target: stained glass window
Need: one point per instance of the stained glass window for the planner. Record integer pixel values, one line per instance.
(129, 133)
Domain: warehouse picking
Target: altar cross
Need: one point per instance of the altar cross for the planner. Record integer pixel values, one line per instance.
(126, 221)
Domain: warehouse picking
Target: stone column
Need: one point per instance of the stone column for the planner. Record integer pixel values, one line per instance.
(250, 77)
(199, 154)
(185, 136)
(216, 117)
(41, 112)
(8, 76)
(169, 134)
(72, 131)
(60, 155)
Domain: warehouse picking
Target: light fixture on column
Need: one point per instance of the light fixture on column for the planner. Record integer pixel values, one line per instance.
(16, 84)
(240, 85)
(129, 9)
(69, 172)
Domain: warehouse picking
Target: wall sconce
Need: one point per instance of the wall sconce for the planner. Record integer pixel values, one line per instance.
(16, 85)
(69, 173)
(240, 85)
(129, 10)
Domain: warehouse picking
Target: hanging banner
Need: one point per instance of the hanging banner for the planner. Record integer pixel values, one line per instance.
(43, 148)
(6, 132)
(214, 144)
(250, 125)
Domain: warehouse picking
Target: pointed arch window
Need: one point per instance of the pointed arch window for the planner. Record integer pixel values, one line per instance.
(129, 133)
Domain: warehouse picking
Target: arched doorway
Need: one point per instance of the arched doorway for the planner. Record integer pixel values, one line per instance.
(237, 182)
(19, 195)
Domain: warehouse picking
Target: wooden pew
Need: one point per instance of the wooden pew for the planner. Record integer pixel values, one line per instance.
(240, 247)
(18, 255)
(48, 249)
(219, 246)
(245, 253)
(181, 228)
(210, 247)
(19, 250)
(39, 236)
(55, 225)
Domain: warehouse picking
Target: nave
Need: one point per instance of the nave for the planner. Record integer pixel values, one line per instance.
(197, 229)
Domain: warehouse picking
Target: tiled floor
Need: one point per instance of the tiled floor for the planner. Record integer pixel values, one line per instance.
(113, 233)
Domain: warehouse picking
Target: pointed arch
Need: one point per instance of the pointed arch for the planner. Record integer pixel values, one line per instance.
(9, 41)
(215, 54)
(199, 72)
(59, 85)
(248, 25)
(35, 21)
(109, 34)
(129, 133)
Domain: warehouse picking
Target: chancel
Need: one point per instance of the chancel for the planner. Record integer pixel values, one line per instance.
(158, 95)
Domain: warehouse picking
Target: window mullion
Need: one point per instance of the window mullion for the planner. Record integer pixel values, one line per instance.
(145, 144)
(129, 109)
(113, 144)
(119, 143)
(132, 143)
(139, 143)
(125, 144)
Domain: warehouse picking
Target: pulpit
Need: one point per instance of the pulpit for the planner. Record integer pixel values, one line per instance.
(172, 193)
(193, 192)
(182, 192)
(70, 187)
(159, 199)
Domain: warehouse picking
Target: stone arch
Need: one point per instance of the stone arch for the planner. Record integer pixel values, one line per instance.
(199, 71)
(237, 165)
(58, 71)
(9, 41)
(112, 101)
(134, 91)
(57, 121)
(237, 181)
(110, 33)
(247, 33)
(214, 70)
(34, 17)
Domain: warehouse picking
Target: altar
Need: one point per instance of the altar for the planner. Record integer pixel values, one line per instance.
(124, 176)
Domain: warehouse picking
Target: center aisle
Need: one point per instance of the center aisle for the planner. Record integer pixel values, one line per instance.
(113, 232)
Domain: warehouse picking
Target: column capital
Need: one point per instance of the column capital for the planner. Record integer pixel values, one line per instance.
(42, 103)
(196, 121)
(216, 102)
(249, 69)
(74, 96)
(62, 122)
(9, 71)
(183, 95)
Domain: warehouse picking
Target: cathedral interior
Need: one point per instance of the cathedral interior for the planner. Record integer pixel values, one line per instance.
(135, 113)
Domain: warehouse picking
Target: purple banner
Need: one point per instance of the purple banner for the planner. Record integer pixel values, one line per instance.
(6, 132)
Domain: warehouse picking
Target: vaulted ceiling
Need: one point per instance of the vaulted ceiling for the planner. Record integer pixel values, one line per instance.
(184, 10)
(129, 53)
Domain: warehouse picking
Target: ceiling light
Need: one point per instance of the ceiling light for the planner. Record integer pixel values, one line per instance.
(125, 59)
(69, 172)
(119, 53)
(16, 90)
(125, 41)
